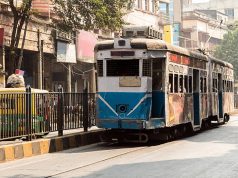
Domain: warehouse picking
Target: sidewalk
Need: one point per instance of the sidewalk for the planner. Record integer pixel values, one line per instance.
(18, 149)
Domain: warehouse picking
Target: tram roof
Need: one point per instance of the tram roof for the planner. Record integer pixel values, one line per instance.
(152, 44)
(223, 63)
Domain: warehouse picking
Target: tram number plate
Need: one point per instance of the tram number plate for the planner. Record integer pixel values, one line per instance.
(130, 82)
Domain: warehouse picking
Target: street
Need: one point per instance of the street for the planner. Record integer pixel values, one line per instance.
(211, 153)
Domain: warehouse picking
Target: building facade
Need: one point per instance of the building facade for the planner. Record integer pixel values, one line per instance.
(203, 29)
(154, 13)
(228, 7)
(40, 64)
(43, 64)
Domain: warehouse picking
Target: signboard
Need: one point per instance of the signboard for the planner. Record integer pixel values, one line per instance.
(64, 36)
(1, 36)
(85, 46)
(66, 52)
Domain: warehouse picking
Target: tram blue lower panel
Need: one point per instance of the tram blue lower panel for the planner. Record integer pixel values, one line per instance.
(158, 104)
(137, 109)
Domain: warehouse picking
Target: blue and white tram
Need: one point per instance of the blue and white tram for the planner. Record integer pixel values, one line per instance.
(150, 89)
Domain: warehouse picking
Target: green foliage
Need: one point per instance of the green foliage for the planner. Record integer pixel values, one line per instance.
(227, 51)
(90, 14)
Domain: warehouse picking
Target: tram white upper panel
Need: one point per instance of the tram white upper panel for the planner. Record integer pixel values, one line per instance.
(112, 84)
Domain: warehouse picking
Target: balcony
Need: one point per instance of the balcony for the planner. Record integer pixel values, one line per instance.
(165, 19)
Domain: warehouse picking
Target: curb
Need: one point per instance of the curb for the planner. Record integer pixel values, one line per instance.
(49, 145)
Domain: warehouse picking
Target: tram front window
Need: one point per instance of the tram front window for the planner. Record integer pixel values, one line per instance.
(122, 68)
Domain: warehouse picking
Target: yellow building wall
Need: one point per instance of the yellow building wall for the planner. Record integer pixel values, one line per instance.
(168, 34)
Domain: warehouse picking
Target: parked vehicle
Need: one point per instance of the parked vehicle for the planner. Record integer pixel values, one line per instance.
(149, 89)
(22, 114)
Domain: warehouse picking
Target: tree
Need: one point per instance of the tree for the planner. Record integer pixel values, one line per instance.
(70, 15)
(90, 14)
(227, 51)
(21, 16)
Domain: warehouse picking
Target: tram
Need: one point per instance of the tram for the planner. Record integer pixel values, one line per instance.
(149, 89)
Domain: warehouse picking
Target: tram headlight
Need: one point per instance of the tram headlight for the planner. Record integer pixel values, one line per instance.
(122, 108)
(121, 43)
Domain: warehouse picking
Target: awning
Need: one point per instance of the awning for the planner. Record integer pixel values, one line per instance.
(85, 46)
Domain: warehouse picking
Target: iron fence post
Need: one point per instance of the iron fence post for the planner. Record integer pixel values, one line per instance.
(28, 113)
(60, 115)
(85, 107)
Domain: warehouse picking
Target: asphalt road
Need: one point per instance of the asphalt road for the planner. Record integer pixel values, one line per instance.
(212, 153)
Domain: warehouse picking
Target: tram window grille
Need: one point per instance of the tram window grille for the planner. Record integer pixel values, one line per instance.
(123, 68)
(100, 67)
(146, 68)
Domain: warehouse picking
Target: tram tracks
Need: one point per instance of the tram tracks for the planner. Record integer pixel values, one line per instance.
(100, 161)
(143, 147)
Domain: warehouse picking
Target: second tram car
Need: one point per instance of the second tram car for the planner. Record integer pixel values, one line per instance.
(149, 89)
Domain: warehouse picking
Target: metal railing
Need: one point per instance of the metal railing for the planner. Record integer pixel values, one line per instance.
(31, 114)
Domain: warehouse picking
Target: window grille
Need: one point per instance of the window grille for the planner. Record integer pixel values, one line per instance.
(100, 67)
(146, 67)
(123, 67)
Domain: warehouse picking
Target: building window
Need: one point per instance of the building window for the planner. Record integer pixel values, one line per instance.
(147, 5)
(154, 6)
(230, 12)
(139, 4)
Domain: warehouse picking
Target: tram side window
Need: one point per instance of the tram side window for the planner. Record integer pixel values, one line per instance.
(100, 67)
(190, 84)
(229, 86)
(224, 86)
(186, 84)
(205, 85)
(214, 85)
(171, 83)
(201, 85)
(181, 84)
(176, 83)
(232, 89)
